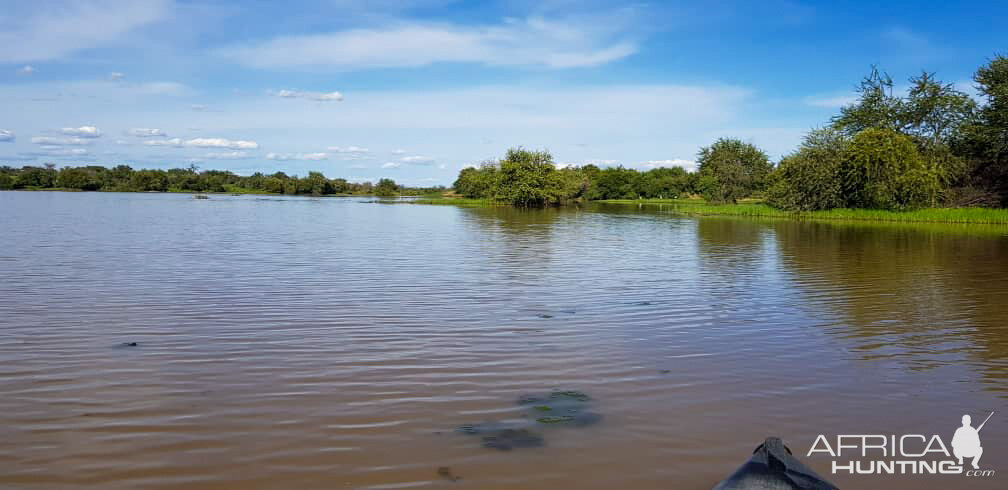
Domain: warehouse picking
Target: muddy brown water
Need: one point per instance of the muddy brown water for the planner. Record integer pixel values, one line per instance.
(338, 343)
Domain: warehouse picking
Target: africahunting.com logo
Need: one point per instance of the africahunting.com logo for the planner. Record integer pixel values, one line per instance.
(907, 454)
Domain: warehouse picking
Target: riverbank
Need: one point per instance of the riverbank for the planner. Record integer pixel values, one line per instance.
(756, 208)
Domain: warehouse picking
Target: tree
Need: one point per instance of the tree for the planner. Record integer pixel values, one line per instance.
(934, 111)
(876, 106)
(477, 183)
(614, 183)
(731, 169)
(386, 188)
(525, 179)
(77, 178)
(985, 141)
(809, 179)
(883, 170)
(37, 177)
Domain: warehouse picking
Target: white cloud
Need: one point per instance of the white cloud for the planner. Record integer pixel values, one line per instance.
(146, 132)
(198, 107)
(296, 156)
(27, 70)
(317, 96)
(176, 142)
(562, 43)
(6, 136)
(417, 160)
(398, 152)
(676, 162)
(222, 143)
(82, 132)
(47, 141)
(391, 165)
(34, 34)
(116, 76)
(230, 155)
(350, 152)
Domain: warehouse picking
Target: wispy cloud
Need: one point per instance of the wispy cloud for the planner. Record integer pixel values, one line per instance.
(82, 132)
(222, 143)
(6, 136)
(391, 165)
(146, 132)
(555, 43)
(47, 141)
(229, 155)
(296, 156)
(68, 26)
(316, 96)
(26, 70)
(175, 142)
(417, 160)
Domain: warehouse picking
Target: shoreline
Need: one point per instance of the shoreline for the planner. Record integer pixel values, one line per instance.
(757, 209)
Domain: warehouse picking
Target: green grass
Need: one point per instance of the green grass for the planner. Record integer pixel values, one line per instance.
(457, 201)
(756, 209)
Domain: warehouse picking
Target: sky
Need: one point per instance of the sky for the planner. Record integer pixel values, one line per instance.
(417, 90)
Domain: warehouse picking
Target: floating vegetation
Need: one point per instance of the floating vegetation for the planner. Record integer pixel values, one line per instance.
(201, 196)
(507, 439)
(555, 420)
(567, 408)
(569, 395)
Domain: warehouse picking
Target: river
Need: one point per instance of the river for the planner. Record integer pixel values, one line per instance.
(290, 342)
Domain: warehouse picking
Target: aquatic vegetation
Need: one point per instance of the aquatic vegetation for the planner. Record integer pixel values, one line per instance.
(555, 420)
(571, 395)
(566, 408)
(507, 439)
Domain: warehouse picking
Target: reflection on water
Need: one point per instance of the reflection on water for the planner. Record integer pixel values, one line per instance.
(339, 343)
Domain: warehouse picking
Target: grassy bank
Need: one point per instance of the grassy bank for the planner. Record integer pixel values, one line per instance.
(757, 209)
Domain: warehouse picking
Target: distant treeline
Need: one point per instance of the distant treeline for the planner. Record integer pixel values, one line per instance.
(933, 147)
(122, 178)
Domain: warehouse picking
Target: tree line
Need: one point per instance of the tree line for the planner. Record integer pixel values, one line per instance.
(123, 178)
(933, 146)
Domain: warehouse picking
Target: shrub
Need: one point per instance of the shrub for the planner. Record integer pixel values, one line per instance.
(526, 180)
(883, 170)
(810, 179)
(731, 169)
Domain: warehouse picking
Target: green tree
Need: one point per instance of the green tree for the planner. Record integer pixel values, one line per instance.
(876, 107)
(525, 179)
(477, 183)
(883, 170)
(731, 169)
(78, 178)
(149, 180)
(614, 183)
(985, 141)
(41, 177)
(386, 188)
(809, 179)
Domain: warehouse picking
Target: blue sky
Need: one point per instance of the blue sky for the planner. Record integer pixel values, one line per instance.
(416, 90)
